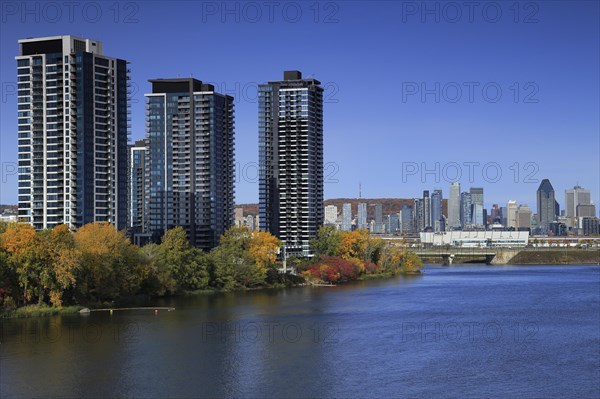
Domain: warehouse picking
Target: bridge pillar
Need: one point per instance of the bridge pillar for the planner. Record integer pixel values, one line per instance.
(447, 259)
(489, 259)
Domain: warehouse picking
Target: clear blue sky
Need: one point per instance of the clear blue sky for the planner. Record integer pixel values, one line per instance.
(371, 57)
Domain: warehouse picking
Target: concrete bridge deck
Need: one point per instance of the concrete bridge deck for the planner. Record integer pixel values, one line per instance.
(493, 256)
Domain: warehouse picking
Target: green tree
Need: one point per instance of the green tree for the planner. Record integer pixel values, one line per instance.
(327, 241)
(234, 266)
(187, 265)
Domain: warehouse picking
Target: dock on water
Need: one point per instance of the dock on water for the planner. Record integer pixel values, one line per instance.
(86, 311)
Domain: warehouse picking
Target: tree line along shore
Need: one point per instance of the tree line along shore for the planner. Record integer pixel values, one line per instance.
(60, 271)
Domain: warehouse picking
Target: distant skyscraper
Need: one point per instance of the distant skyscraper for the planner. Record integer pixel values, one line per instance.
(406, 224)
(72, 132)
(524, 214)
(586, 210)
(496, 214)
(362, 216)
(511, 214)
(331, 214)
(191, 160)
(418, 220)
(392, 223)
(466, 208)
(504, 213)
(378, 219)
(137, 186)
(454, 206)
(426, 209)
(347, 217)
(574, 197)
(477, 206)
(546, 205)
(436, 210)
(291, 159)
(477, 213)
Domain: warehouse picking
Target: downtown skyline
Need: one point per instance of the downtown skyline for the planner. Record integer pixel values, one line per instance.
(383, 136)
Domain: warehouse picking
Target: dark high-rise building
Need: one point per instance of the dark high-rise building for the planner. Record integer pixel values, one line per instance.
(426, 209)
(190, 176)
(72, 132)
(290, 129)
(547, 211)
(417, 217)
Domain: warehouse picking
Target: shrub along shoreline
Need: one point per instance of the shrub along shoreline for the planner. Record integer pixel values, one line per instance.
(59, 272)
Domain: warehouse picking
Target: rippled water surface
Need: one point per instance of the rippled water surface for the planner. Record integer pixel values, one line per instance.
(463, 331)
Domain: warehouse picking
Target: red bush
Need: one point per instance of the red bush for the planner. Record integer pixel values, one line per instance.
(372, 268)
(334, 270)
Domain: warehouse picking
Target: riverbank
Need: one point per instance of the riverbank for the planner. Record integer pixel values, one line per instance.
(556, 257)
(40, 311)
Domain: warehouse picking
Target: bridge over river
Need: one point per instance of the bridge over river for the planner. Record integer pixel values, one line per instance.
(491, 256)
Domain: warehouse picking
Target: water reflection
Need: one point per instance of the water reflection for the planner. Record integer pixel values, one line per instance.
(459, 331)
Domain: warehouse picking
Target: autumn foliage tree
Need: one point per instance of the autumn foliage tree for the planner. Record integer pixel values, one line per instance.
(111, 267)
(240, 261)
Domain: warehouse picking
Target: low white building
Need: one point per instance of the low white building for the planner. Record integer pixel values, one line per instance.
(8, 218)
(477, 239)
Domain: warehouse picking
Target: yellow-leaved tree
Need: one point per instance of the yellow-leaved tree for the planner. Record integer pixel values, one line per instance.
(263, 249)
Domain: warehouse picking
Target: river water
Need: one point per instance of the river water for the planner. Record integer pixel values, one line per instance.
(460, 331)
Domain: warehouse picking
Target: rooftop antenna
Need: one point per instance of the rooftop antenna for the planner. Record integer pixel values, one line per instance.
(359, 190)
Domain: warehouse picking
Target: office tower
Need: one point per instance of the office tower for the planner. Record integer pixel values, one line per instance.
(418, 220)
(573, 197)
(138, 154)
(476, 195)
(523, 218)
(406, 219)
(585, 210)
(477, 213)
(511, 214)
(362, 215)
(590, 226)
(392, 223)
(477, 207)
(426, 209)
(72, 133)
(454, 206)
(436, 210)
(466, 209)
(347, 217)
(546, 205)
(191, 160)
(378, 219)
(291, 159)
(331, 214)
(496, 214)
(504, 213)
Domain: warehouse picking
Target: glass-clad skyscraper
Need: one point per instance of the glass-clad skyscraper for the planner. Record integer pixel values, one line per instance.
(72, 132)
(190, 176)
(290, 127)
